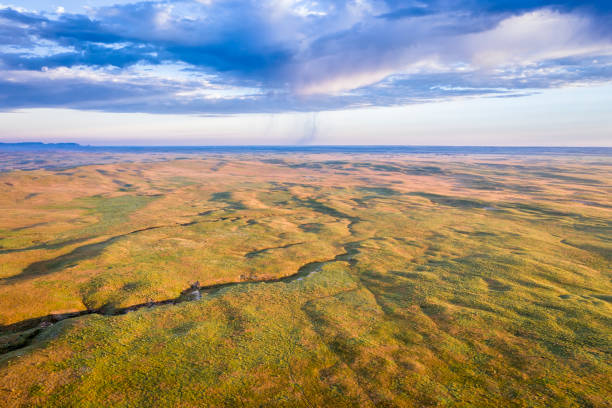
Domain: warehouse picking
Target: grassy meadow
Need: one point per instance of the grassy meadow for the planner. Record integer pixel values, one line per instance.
(335, 280)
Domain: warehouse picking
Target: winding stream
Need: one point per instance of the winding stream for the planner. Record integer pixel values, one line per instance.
(26, 331)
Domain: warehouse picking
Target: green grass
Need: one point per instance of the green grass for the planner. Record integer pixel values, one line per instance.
(430, 291)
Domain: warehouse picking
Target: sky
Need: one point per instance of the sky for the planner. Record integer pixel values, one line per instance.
(228, 72)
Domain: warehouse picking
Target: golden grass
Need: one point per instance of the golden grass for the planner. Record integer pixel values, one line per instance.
(447, 281)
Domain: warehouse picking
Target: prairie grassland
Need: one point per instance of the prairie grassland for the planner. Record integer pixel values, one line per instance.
(433, 281)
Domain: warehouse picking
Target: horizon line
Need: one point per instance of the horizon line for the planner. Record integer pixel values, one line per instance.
(52, 144)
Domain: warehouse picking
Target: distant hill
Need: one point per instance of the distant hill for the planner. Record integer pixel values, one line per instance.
(260, 149)
(29, 146)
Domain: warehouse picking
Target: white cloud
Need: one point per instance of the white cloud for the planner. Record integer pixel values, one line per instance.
(407, 46)
(533, 37)
(298, 54)
(42, 48)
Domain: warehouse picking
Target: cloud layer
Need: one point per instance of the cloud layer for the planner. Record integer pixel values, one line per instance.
(229, 56)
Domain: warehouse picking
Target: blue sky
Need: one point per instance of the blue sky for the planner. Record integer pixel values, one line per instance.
(292, 71)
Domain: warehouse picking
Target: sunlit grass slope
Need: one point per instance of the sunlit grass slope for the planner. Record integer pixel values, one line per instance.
(435, 281)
